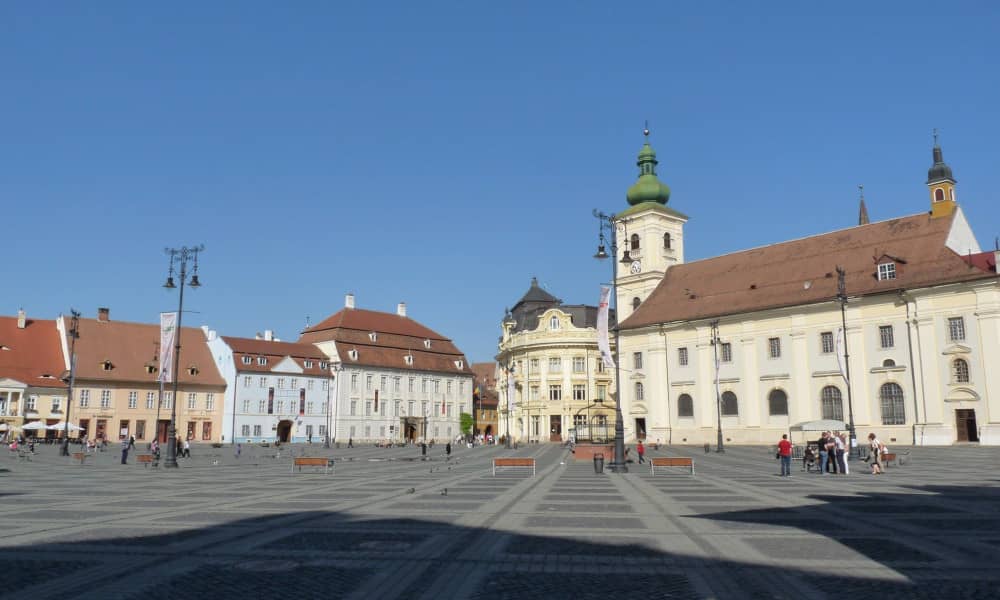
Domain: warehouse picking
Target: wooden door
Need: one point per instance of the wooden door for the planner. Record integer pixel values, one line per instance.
(965, 425)
(555, 428)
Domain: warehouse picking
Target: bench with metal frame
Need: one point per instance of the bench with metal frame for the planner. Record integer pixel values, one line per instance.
(80, 456)
(312, 461)
(513, 462)
(670, 461)
(147, 460)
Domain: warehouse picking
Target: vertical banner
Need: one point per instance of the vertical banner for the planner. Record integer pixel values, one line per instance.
(602, 327)
(376, 400)
(841, 360)
(270, 401)
(302, 401)
(168, 339)
(442, 404)
(510, 390)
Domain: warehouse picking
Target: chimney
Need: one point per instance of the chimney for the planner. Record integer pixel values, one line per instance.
(257, 336)
(104, 314)
(401, 309)
(349, 301)
(21, 318)
(268, 335)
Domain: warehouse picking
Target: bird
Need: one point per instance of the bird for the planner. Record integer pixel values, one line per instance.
(411, 490)
(444, 492)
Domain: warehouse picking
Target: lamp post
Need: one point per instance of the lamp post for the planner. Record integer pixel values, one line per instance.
(74, 332)
(718, 397)
(509, 369)
(181, 256)
(611, 222)
(842, 297)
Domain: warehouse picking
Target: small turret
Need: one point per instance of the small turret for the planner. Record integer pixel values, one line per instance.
(941, 183)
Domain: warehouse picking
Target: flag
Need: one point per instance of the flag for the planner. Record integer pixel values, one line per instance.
(168, 339)
(442, 405)
(602, 328)
(841, 358)
(510, 391)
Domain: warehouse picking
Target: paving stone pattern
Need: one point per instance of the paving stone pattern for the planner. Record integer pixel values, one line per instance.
(387, 524)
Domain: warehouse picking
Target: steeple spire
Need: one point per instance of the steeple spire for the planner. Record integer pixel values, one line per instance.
(862, 210)
(941, 183)
(648, 188)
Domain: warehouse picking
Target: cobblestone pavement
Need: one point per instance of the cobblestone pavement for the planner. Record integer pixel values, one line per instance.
(386, 524)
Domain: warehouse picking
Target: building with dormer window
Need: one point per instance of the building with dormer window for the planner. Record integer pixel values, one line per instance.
(32, 389)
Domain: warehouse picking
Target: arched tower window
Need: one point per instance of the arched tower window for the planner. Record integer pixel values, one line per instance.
(685, 406)
(666, 241)
(833, 403)
(730, 406)
(634, 241)
(938, 195)
(891, 398)
(636, 302)
(777, 402)
(960, 370)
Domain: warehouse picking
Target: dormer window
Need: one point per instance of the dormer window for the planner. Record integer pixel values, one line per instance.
(247, 360)
(427, 344)
(373, 336)
(192, 370)
(460, 364)
(308, 364)
(636, 302)
(408, 359)
(886, 271)
(261, 360)
(352, 354)
(322, 365)
(106, 365)
(150, 369)
(554, 323)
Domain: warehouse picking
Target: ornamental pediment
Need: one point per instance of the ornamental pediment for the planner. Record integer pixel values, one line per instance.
(962, 395)
(956, 349)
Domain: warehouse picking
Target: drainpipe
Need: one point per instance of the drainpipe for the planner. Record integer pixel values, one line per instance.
(666, 368)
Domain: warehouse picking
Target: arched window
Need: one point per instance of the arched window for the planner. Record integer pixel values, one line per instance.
(636, 302)
(554, 323)
(891, 398)
(777, 402)
(833, 403)
(638, 392)
(888, 363)
(960, 370)
(666, 241)
(685, 406)
(634, 241)
(938, 195)
(730, 407)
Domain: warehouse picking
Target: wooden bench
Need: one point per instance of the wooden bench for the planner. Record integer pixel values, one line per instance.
(513, 462)
(671, 461)
(312, 461)
(80, 456)
(147, 460)
(887, 458)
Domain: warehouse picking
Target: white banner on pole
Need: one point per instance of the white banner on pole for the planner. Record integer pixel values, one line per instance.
(602, 327)
(168, 339)
(511, 386)
(841, 360)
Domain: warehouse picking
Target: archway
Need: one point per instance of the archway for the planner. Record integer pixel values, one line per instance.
(284, 432)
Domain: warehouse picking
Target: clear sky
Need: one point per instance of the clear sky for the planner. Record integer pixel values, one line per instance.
(442, 154)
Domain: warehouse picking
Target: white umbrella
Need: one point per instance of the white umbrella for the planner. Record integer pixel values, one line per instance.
(34, 426)
(61, 425)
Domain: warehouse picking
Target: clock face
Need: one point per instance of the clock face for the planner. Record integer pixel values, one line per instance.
(635, 267)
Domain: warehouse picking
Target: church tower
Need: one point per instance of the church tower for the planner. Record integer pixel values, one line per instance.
(650, 232)
(941, 184)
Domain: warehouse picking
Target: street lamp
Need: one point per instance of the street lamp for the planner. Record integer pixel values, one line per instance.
(181, 256)
(509, 369)
(74, 332)
(842, 297)
(718, 397)
(335, 368)
(612, 222)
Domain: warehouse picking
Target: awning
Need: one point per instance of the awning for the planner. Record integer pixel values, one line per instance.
(62, 425)
(34, 426)
(821, 425)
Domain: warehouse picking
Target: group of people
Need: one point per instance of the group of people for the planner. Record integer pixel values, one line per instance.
(832, 448)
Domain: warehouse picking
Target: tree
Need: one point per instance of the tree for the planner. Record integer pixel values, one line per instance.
(465, 423)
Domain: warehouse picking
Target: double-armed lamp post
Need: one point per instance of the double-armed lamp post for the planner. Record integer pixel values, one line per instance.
(180, 256)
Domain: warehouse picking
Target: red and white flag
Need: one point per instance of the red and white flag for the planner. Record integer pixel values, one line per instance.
(168, 339)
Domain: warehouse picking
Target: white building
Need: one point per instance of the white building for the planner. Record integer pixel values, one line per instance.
(750, 338)
(397, 380)
(275, 391)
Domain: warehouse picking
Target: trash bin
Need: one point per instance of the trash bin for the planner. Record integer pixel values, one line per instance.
(598, 463)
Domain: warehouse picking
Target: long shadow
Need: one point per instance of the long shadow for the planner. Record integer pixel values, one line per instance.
(937, 541)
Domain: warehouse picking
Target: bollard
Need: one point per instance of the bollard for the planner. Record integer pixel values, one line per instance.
(598, 463)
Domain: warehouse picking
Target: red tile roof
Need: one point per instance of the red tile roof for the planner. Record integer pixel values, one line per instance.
(31, 355)
(804, 271)
(275, 352)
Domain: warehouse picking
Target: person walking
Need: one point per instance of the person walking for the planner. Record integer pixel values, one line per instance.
(641, 451)
(131, 443)
(840, 448)
(187, 448)
(824, 453)
(875, 453)
(785, 454)
(125, 445)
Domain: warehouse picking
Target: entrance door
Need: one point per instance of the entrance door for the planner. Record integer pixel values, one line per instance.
(284, 431)
(640, 429)
(102, 429)
(84, 432)
(162, 428)
(409, 431)
(965, 424)
(555, 428)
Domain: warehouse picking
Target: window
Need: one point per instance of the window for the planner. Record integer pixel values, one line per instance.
(956, 329)
(326, 385)
(192, 401)
(774, 347)
(448, 387)
(56, 404)
(308, 364)
(637, 360)
(730, 407)
(354, 407)
(555, 365)
(262, 406)
(368, 382)
(397, 384)
(409, 384)
(826, 342)
(777, 403)
(281, 383)
(639, 395)
(309, 407)
(600, 365)
(888, 363)
(409, 408)
(461, 388)
(727, 352)
(448, 409)
(354, 382)
(323, 365)
(29, 403)
(423, 386)
(209, 401)
(280, 406)
(295, 384)
(886, 271)
(533, 364)
(579, 364)
(555, 393)
(322, 431)
(395, 408)
(602, 393)
(206, 430)
(437, 386)
(885, 336)
(685, 405)
(427, 344)
(832, 403)
(534, 393)
(133, 399)
(373, 336)
(140, 430)
(105, 398)
(579, 392)
(634, 241)
(246, 406)
(938, 195)
(666, 241)
(245, 430)
(383, 382)
(682, 357)
(247, 360)
(554, 323)
(960, 371)
(309, 384)
(261, 360)
(891, 398)
(168, 399)
(246, 380)
(150, 400)
(262, 382)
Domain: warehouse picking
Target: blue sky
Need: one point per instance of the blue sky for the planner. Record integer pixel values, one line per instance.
(442, 154)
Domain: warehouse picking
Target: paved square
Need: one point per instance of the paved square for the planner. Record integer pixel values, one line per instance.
(386, 524)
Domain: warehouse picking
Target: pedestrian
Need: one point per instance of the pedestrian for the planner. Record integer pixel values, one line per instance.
(447, 449)
(641, 451)
(875, 450)
(839, 450)
(785, 454)
(131, 443)
(239, 449)
(824, 453)
(187, 449)
(423, 449)
(350, 442)
(125, 445)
